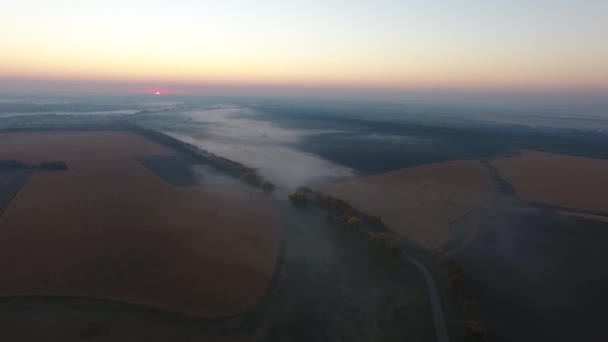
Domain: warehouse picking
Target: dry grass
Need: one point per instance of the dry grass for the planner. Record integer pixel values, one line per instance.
(573, 182)
(109, 228)
(420, 202)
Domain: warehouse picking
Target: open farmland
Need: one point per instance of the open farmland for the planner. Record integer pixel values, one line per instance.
(35, 147)
(560, 180)
(109, 228)
(420, 202)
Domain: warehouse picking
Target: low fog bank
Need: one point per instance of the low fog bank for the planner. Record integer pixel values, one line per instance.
(305, 142)
(584, 116)
(20, 107)
(231, 132)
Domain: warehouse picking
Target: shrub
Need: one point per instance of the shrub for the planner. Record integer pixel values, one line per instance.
(386, 242)
(304, 190)
(298, 199)
(353, 223)
(458, 280)
(474, 329)
(344, 219)
(376, 221)
(470, 308)
(251, 178)
(455, 271)
(267, 187)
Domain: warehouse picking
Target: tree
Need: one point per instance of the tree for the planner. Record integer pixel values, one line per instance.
(268, 187)
(251, 178)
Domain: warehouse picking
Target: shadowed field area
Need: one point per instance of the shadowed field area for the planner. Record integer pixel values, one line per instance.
(11, 182)
(539, 275)
(420, 202)
(555, 179)
(332, 285)
(109, 228)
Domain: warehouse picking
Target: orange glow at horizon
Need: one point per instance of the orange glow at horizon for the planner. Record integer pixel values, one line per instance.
(371, 44)
(396, 72)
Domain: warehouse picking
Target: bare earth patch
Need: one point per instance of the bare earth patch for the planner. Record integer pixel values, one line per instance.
(109, 228)
(420, 202)
(555, 179)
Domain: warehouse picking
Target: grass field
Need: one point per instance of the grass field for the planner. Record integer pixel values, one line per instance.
(420, 202)
(573, 182)
(109, 228)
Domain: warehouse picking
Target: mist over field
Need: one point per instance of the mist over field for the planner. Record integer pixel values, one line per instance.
(233, 132)
(283, 170)
(297, 142)
(419, 164)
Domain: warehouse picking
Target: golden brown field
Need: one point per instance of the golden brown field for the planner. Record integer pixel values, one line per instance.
(34, 147)
(109, 228)
(573, 182)
(420, 202)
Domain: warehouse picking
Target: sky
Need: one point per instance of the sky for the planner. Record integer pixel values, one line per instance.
(393, 46)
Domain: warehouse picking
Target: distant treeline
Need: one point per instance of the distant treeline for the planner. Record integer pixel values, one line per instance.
(13, 164)
(17, 164)
(235, 169)
(77, 127)
(335, 207)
